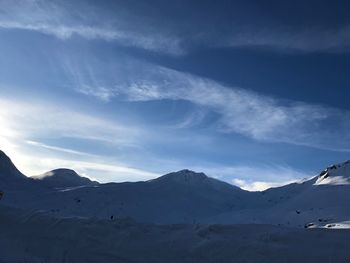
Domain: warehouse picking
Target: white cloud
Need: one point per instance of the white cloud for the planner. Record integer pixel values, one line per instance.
(257, 185)
(44, 120)
(259, 172)
(282, 38)
(102, 93)
(65, 21)
(192, 119)
(55, 148)
(241, 111)
(64, 32)
(255, 177)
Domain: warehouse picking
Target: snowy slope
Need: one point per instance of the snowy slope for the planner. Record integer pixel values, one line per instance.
(184, 197)
(338, 174)
(319, 202)
(35, 237)
(322, 201)
(181, 197)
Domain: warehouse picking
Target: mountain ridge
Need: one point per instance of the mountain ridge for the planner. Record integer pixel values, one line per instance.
(186, 196)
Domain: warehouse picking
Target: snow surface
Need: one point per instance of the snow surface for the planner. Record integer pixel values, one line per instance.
(338, 174)
(179, 217)
(37, 237)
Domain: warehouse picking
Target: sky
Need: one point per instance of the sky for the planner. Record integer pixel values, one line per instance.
(255, 93)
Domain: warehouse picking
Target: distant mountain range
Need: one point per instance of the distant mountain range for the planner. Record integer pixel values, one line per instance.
(182, 197)
(183, 216)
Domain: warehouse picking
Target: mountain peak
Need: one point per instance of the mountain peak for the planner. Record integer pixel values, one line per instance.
(2, 154)
(7, 168)
(184, 176)
(64, 177)
(62, 172)
(336, 174)
(197, 182)
(4, 157)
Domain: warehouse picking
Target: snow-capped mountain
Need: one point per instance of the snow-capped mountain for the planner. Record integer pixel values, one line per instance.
(188, 178)
(184, 197)
(321, 201)
(63, 178)
(181, 197)
(168, 199)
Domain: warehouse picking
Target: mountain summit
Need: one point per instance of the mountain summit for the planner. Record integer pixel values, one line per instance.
(7, 168)
(195, 181)
(12, 178)
(184, 176)
(60, 178)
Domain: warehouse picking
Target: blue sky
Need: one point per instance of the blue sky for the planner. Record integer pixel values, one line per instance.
(252, 93)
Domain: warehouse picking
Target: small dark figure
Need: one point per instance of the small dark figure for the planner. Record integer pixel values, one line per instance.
(297, 211)
(309, 225)
(1, 194)
(112, 217)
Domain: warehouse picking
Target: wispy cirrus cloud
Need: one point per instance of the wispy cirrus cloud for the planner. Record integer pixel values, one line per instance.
(103, 93)
(257, 116)
(42, 119)
(127, 26)
(60, 19)
(132, 39)
(55, 148)
(290, 39)
(192, 119)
